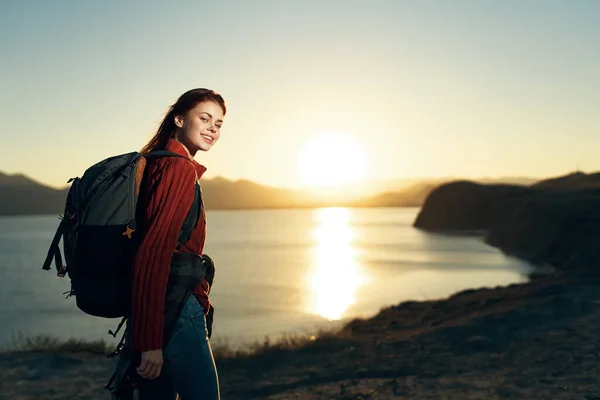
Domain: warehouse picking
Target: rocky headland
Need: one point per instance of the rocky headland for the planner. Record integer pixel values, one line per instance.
(554, 223)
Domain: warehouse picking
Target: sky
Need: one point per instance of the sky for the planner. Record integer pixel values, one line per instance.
(425, 88)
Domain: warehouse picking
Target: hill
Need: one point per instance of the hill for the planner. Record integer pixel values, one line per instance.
(553, 222)
(411, 196)
(20, 195)
(223, 194)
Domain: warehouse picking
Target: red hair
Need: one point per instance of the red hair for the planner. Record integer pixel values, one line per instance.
(186, 102)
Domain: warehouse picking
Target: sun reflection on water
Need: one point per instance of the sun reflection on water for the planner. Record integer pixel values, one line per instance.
(335, 278)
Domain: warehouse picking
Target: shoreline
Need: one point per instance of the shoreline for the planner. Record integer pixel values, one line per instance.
(476, 344)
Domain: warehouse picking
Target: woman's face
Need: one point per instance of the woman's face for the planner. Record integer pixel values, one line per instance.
(200, 127)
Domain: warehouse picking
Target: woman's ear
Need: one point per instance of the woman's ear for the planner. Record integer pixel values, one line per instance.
(178, 121)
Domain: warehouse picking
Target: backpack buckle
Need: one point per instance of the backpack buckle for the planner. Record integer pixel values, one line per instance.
(128, 231)
(178, 247)
(62, 271)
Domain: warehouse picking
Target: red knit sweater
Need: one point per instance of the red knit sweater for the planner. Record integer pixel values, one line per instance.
(167, 197)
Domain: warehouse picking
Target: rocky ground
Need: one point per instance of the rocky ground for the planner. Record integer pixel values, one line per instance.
(538, 340)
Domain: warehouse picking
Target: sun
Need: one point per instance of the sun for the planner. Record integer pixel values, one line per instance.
(331, 159)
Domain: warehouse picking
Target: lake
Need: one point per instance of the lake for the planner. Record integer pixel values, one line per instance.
(277, 272)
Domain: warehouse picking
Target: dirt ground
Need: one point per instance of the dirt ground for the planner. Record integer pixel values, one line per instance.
(539, 340)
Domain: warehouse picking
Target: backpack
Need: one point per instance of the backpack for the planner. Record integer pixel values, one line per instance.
(98, 231)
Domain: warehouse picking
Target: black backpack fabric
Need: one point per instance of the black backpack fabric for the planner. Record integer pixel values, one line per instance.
(98, 231)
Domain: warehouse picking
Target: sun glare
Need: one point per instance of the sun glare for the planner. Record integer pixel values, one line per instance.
(336, 277)
(331, 160)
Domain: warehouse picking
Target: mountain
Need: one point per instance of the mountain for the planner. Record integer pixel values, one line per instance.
(21, 195)
(223, 194)
(410, 196)
(19, 180)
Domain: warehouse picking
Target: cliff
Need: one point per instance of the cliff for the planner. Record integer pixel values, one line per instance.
(553, 222)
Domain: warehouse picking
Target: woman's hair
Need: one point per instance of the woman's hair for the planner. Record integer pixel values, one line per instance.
(186, 102)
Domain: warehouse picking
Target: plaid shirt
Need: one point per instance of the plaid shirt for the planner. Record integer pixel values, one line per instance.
(187, 270)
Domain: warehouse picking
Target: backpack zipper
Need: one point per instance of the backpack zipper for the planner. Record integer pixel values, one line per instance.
(131, 226)
(109, 178)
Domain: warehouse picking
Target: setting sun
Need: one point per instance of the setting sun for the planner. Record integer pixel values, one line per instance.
(331, 160)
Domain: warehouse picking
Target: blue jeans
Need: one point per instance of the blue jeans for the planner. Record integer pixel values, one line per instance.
(188, 364)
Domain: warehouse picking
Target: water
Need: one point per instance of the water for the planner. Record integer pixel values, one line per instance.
(278, 272)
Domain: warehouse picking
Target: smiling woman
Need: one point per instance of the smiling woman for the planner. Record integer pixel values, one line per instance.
(331, 160)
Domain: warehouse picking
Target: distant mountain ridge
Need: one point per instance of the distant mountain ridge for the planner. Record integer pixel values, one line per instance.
(17, 180)
(22, 195)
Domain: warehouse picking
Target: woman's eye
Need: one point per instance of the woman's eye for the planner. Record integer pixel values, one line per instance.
(203, 119)
(218, 126)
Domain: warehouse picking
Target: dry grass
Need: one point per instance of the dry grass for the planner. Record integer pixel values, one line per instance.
(50, 344)
(221, 348)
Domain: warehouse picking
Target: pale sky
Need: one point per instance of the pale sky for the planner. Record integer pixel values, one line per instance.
(427, 88)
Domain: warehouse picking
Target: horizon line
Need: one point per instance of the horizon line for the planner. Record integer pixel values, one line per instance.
(422, 179)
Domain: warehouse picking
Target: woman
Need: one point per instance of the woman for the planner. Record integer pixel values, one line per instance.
(167, 329)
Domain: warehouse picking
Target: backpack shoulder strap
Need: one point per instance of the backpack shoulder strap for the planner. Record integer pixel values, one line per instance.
(192, 218)
(164, 153)
(140, 167)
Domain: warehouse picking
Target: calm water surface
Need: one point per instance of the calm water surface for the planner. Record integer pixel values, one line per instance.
(278, 272)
